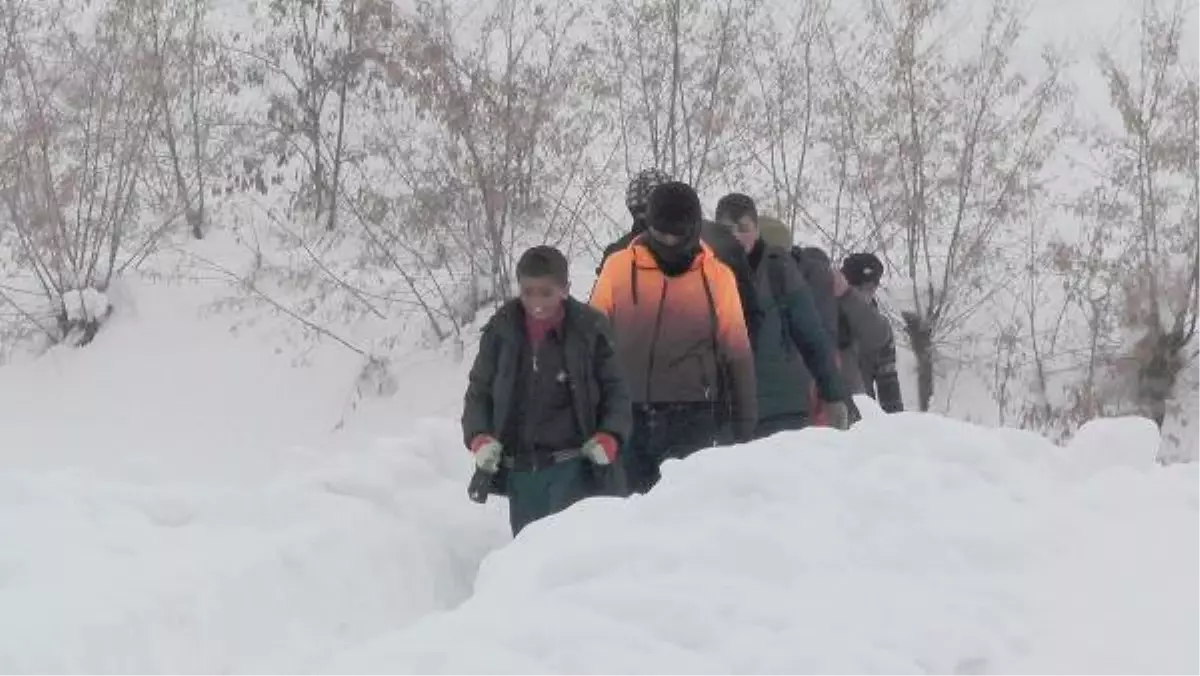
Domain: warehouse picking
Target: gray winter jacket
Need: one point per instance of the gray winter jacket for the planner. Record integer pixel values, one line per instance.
(868, 352)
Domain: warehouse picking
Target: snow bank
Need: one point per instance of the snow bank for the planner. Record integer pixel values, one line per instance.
(173, 499)
(912, 543)
(164, 392)
(110, 576)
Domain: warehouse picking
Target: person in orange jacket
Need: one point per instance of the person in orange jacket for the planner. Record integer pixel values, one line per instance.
(681, 338)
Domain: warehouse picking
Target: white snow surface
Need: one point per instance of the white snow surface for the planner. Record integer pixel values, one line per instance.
(85, 305)
(172, 500)
(910, 544)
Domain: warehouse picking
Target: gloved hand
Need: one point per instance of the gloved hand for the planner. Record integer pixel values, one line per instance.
(487, 453)
(601, 449)
(838, 414)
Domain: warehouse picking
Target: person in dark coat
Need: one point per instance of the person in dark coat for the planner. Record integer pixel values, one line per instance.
(876, 354)
(793, 348)
(546, 408)
(637, 196)
(681, 338)
(730, 252)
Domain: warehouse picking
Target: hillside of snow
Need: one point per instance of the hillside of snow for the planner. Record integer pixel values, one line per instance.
(174, 498)
(910, 544)
(283, 224)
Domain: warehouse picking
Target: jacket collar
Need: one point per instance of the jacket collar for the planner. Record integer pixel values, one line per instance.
(643, 259)
(513, 314)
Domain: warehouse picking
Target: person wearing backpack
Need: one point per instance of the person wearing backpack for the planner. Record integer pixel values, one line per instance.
(825, 285)
(681, 338)
(793, 347)
(850, 316)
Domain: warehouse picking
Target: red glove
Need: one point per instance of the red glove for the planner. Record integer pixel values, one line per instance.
(480, 441)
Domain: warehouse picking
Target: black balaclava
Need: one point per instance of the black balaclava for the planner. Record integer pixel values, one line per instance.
(674, 209)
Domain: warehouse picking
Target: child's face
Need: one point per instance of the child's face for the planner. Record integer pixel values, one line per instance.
(541, 296)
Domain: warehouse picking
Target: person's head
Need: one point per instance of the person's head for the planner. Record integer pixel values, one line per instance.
(542, 278)
(738, 213)
(673, 219)
(637, 193)
(863, 271)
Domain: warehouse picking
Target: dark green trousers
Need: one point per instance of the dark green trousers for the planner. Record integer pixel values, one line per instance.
(535, 494)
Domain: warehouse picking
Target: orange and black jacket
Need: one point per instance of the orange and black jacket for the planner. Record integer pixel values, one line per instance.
(679, 339)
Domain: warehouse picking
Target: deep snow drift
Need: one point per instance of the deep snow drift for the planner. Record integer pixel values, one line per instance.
(912, 543)
(172, 500)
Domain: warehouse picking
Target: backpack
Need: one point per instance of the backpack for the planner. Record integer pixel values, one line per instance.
(817, 271)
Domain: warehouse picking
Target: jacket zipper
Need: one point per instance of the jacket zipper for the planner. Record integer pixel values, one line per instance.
(662, 302)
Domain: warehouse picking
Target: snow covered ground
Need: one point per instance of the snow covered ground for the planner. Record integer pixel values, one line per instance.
(911, 544)
(173, 499)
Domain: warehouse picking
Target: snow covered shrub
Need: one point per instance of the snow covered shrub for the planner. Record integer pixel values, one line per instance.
(78, 109)
(83, 311)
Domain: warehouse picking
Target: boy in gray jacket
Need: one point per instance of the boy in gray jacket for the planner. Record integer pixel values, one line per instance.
(874, 345)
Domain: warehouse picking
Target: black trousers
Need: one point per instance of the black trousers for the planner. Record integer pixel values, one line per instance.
(780, 423)
(662, 431)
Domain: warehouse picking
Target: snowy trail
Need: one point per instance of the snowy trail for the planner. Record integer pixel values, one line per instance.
(172, 500)
(106, 576)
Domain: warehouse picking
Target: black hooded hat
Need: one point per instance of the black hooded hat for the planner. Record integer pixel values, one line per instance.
(674, 209)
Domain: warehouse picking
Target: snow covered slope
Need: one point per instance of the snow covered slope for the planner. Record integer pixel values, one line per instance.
(172, 499)
(911, 544)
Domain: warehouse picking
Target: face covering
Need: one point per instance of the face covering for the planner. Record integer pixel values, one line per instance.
(674, 259)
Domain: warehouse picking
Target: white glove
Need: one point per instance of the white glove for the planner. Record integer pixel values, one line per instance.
(600, 449)
(838, 414)
(487, 455)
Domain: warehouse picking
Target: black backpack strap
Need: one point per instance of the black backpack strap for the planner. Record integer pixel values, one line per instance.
(775, 273)
(712, 310)
(722, 390)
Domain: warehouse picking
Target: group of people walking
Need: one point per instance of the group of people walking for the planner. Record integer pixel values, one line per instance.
(697, 333)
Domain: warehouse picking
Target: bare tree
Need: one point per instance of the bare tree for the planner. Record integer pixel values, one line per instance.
(474, 136)
(949, 151)
(310, 62)
(677, 84)
(509, 119)
(1070, 308)
(81, 110)
(788, 98)
(191, 77)
(1152, 171)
